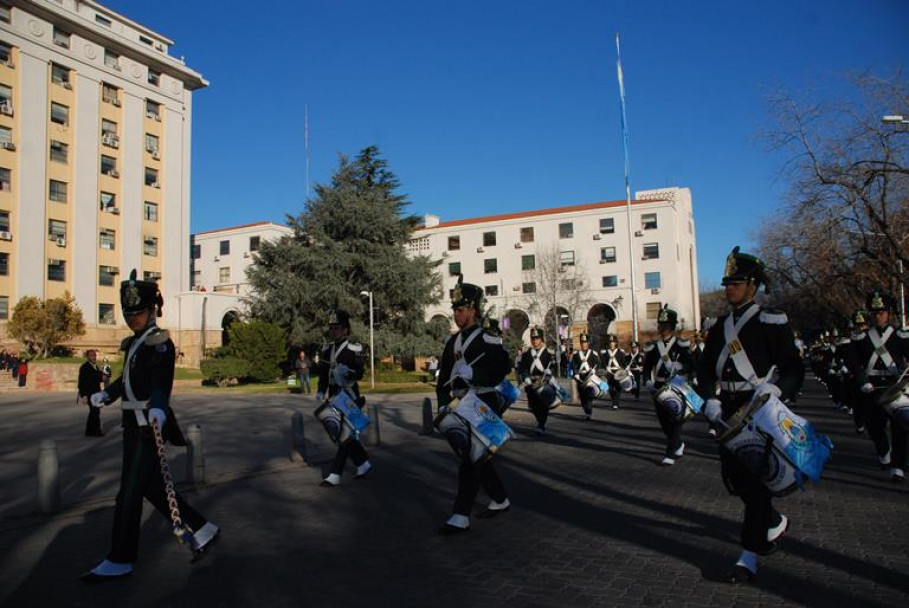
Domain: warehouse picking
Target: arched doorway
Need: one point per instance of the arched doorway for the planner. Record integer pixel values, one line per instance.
(439, 327)
(230, 317)
(557, 318)
(599, 318)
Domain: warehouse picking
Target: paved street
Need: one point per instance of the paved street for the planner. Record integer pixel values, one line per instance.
(594, 522)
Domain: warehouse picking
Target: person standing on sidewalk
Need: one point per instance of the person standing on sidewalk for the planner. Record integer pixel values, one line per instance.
(535, 369)
(473, 359)
(302, 365)
(145, 387)
(23, 372)
(90, 379)
(584, 362)
(666, 357)
(339, 369)
(750, 352)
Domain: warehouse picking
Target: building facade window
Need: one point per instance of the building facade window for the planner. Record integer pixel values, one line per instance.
(6, 52)
(254, 242)
(489, 239)
(651, 251)
(6, 136)
(59, 151)
(5, 180)
(56, 270)
(57, 191)
(5, 13)
(151, 143)
(197, 252)
(6, 100)
(527, 234)
(110, 94)
(4, 308)
(528, 287)
(109, 165)
(566, 230)
(106, 314)
(111, 60)
(107, 275)
(154, 77)
(491, 290)
(566, 258)
(152, 109)
(150, 211)
(652, 280)
(59, 74)
(224, 274)
(454, 269)
(107, 239)
(4, 221)
(611, 281)
(151, 275)
(528, 262)
(454, 243)
(653, 310)
(59, 114)
(490, 265)
(151, 177)
(150, 246)
(108, 202)
(649, 221)
(607, 255)
(56, 229)
(607, 225)
(224, 248)
(61, 38)
(4, 264)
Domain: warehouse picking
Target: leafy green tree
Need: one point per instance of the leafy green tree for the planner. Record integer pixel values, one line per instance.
(260, 345)
(40, 325)
(350, 237)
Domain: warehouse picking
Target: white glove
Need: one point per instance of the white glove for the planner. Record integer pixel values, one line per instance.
(320, 396)
(528, 381)
(713, 410)
(649, 386)
(867, 388)
(767, 388)
(157, 415)
(99, 399)
(548, 373)
(462, 370)
(341, 373)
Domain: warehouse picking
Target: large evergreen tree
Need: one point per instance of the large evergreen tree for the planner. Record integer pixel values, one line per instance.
(351, 237)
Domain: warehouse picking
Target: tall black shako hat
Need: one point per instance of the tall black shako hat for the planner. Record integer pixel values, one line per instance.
(536, 332)
(339, 317)
(136, 295)
(467, 294)
(878, 300)
(669, 316)
(744, 268)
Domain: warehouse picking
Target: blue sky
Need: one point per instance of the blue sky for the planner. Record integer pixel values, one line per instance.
(495, 107)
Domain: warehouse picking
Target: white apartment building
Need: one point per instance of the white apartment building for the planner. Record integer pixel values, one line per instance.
(501, 254)
(95, 135)
(220, 257)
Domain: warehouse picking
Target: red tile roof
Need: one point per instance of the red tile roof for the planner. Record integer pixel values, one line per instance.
(538, 212)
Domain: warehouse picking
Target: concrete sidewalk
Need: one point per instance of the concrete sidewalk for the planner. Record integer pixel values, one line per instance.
(594, 522)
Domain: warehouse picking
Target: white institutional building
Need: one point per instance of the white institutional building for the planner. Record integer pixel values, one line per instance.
(502, 253)
(95, 138)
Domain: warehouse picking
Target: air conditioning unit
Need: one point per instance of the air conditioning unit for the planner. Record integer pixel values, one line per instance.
(638, 233)
(245, 254)
(8, 145)
(480, 250)
(597, 237)
(113, 173)
(518, 245)
(67, 85)
(6, 108)
(217, 259)
(654, 291)
(117, 67)
(115, 102)
(109, 139)
(10, 64)
(107, 246)
(158, 117)
(156, 185)
(156, 155)
(114, 210)
(6, 236)
(61, 242)
(516, 288)
(445, 254)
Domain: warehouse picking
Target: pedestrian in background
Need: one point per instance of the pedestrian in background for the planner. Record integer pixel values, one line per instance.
(23, 372)
(90, 380)
(302, 365)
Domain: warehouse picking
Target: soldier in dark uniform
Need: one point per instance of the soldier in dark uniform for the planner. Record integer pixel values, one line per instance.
(473, 360)
(854, 396)
(636, 367)
(584, 362)
(613, 359)
(769, 365)
(145, 387)
(340, 367)
(878, 357)
(90, 378)
(664, 358)
(534, 369)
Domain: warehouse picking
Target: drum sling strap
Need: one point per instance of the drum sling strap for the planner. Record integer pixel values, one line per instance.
(733, 348)
(613, 365)
(664, 357)
(460, 352)
(881, 352)
(537, 364)
(584, 367)
(131, 403)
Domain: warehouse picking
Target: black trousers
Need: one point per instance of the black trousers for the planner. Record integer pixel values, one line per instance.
(355, 450)
(470, 479)
(93, 423)
(141, 478)
(877, 420)
(638, 380)
(539, 409)
(615, 391)
(672, 428)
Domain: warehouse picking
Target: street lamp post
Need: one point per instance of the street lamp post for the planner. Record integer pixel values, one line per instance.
(372, 353)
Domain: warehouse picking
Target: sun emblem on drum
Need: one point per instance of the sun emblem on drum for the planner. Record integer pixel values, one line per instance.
(795, 431)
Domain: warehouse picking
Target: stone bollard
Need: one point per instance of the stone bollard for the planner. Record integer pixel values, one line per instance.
(48, 477)
(373, 437)
(427, 417)
(297, 438)
(195, 455)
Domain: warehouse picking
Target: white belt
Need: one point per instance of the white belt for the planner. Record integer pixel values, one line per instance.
(736, 387)
(139, 408)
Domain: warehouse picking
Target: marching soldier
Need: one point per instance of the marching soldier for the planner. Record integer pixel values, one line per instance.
(750, 352)
(473, 359)
(613, 360)
(636, 367)
(534, 370)
(584, 362)
(665, 358)
(878, 357)
(339, 369)
(859, 328)
(145, 387)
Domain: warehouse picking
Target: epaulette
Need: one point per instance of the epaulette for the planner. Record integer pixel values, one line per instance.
(903, 333)
(355, 347)
(649, 346)
(773, 317)
(491, 338)
(158, 337)
(858, 335)
(124, 344)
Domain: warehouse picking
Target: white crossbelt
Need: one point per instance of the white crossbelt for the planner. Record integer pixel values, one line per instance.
(460, 350)
(584, 367)
(537, 364)
(333, 361)
(733, 348)
(880, 351)
(665, 362)
(130, 403)
(613, 365)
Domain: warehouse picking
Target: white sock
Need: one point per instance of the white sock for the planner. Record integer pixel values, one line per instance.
(333, 478)
(109, 568)
(498, 506)
(748, 559)
(885, 459)
(364, 468)
(774, 532)
(458, 521)
(681, 450)
(205, 534)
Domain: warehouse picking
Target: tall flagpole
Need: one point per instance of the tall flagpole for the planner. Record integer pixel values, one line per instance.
(631, 252)
(306, 144)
